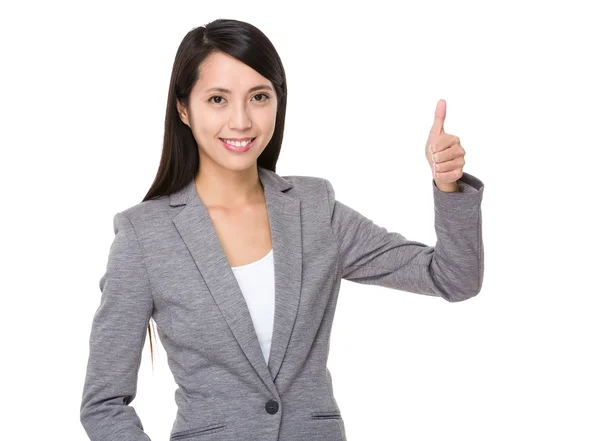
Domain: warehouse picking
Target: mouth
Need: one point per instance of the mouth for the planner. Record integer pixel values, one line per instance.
(238, 139)
(242, 147)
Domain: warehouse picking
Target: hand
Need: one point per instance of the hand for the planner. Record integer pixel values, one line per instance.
(444, 153)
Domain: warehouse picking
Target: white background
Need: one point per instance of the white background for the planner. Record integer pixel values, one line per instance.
(84, 88)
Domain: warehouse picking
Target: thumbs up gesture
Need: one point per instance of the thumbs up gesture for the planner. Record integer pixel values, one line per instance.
(444, 153)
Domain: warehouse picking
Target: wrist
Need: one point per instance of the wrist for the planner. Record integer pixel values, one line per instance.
(447, 187)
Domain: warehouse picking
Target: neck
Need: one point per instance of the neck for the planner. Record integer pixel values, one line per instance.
(220, 187)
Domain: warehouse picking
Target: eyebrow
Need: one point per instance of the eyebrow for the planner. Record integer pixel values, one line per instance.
(252, 89)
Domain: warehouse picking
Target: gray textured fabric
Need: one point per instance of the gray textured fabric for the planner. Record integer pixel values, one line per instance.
(167, 262)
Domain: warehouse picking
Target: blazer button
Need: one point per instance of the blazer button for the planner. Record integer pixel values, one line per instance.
(272, 406)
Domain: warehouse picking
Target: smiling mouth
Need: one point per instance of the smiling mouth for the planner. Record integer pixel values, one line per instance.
(245, 140)
(241, 147)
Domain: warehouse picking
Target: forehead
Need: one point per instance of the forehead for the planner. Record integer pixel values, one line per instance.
(222, 70)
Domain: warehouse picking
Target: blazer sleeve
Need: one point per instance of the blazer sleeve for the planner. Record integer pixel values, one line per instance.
(453, 269)
(117, 338)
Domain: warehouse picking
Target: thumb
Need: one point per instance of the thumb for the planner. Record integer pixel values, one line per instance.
(440, 115)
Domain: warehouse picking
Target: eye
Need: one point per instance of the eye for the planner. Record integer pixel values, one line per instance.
(216, 96)
(266, 97)
(263, 94)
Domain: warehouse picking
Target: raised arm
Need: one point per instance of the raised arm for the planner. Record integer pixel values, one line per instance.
(453, 269)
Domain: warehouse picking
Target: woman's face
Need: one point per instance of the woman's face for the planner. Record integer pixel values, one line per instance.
(246, 110)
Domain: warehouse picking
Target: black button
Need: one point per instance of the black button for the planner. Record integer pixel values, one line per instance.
(272, 406)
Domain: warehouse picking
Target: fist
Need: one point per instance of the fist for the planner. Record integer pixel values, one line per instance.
(444, 153)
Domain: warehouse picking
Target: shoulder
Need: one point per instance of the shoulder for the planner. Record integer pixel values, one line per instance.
(149, 212)
(313, 188)
(304, 184)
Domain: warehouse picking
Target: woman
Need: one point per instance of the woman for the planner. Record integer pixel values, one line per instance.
(240, 268)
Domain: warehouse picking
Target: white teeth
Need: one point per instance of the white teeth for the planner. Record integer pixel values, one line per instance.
(237, 143)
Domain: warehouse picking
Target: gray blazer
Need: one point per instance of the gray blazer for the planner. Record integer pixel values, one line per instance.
(167, 262)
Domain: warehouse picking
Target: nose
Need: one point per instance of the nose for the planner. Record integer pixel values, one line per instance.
(240, 118)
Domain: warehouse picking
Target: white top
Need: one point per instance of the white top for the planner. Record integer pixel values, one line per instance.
(257, 283)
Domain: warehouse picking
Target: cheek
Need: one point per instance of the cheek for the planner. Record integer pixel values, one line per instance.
(209, 125)
(269, 116)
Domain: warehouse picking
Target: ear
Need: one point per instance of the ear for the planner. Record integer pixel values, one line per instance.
(183, 113)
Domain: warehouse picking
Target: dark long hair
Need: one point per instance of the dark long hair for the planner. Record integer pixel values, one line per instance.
(180, 160)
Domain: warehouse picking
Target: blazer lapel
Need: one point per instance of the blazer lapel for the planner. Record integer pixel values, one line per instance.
(199, 235)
